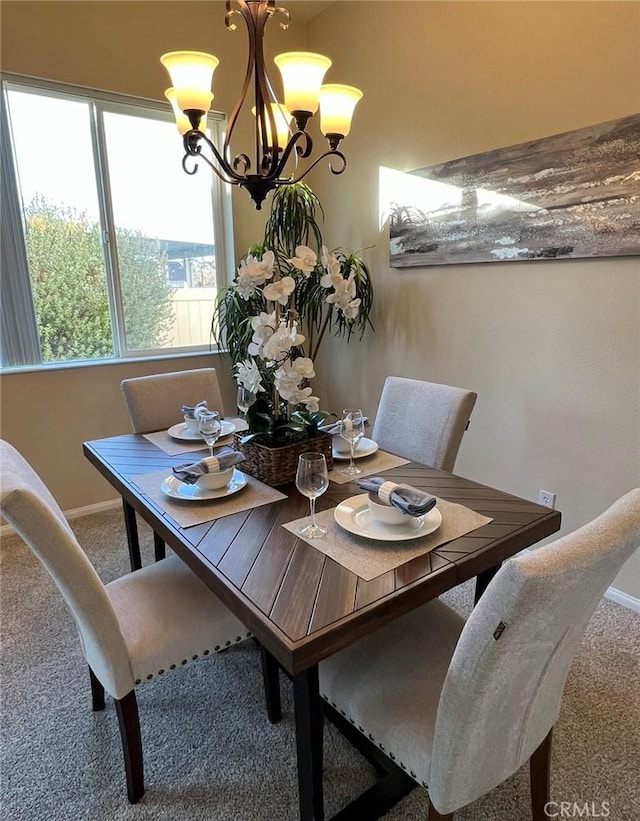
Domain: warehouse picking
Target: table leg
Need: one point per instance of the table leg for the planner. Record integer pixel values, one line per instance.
(271, 679)
(159, 547)
(482, 582)
(309, 732)
(132, 535)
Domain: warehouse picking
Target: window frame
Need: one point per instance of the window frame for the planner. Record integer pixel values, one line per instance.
(21, 320)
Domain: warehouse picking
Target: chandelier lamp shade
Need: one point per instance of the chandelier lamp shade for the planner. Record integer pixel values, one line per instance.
(281, 137)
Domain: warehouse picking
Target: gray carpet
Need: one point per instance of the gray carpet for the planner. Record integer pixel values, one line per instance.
(210, 752)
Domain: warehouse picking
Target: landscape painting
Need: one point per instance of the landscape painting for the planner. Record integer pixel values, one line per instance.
(571, 195)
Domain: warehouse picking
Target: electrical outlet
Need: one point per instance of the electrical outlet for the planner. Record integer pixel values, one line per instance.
(546, 498)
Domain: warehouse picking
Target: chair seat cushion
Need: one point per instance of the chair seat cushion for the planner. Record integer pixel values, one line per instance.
(388, 684)
(169, 617)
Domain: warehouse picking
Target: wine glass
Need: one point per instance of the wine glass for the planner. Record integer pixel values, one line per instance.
(312, 480)
(245, 399)
(209, 428)
(352, 430)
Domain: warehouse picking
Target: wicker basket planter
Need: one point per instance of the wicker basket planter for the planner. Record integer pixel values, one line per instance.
(278, 465)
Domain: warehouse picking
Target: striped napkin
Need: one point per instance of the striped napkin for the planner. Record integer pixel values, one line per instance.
(225, 458)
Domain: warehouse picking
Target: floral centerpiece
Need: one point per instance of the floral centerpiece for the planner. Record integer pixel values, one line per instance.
(288, 292)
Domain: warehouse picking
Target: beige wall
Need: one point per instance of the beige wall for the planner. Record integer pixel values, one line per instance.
(48, 415)
(553, 348)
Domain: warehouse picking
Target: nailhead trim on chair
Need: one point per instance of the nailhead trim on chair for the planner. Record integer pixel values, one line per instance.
(194, 658)
(391, 755)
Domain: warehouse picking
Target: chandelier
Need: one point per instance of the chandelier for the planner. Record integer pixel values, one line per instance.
(281, 136)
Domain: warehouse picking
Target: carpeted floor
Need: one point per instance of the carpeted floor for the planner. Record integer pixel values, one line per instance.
(210, 753)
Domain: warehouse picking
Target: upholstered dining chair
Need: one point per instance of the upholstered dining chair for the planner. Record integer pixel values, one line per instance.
(154, 401)
(135, 628)
(422, 421)
(461, 706)
(154, 404)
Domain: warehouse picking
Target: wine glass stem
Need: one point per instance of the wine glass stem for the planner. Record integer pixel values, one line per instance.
(352, 446)
(312, 506)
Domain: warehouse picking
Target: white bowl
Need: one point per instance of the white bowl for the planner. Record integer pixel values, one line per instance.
(382, 512)
(341, 445)
(216, 480)
(192, 424)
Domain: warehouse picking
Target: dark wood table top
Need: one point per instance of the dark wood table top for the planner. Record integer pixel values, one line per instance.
(300, 604)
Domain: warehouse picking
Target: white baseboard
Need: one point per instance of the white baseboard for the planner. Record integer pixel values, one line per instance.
(74, 513)
(87, 510)
(630, 602)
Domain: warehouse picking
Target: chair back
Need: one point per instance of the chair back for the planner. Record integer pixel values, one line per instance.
(154, 401)
(422, 421)
(503, 688)
(27, 504)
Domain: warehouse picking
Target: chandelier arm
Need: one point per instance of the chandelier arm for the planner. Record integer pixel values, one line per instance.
(266, 150)
(193, 148)
(336, 171)
(211, 165)
(230, 14)
(271, 162)
(273, 9)
(293, 143)
(245, 11)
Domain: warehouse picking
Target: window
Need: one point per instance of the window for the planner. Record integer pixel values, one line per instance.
(109, 249)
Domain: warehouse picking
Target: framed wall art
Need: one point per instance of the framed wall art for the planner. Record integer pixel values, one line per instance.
(571, 195)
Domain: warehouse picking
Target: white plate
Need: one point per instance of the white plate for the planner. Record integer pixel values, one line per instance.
(177, 489)
(353, 515)
(181, 433)
(365, 448)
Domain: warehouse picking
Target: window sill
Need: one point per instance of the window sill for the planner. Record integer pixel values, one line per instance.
(100, 363)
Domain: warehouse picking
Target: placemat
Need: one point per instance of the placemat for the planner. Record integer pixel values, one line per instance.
(173, 447)
(369, 465)
(189, 513)
(369, 558)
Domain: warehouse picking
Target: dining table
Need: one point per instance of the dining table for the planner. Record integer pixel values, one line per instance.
(302, 603)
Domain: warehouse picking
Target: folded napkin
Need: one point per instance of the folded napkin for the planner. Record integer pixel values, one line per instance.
(336, 427)
(192, 412)
(406, 498)
(224, 458)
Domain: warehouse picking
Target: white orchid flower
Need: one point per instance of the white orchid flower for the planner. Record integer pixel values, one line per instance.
(281, 290)
(294, 338)
(286, 383)
(344, 292)
(264, 326)
(352, 310)
(280, 343)
(304, 260)
(332, 265)
(312, 403)
(303, 396)
(248, 375)
(257, 270)
(273, 349)
(303, 366)
(264, 322)
(289, 376)
(253, 272)
(246, 288)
